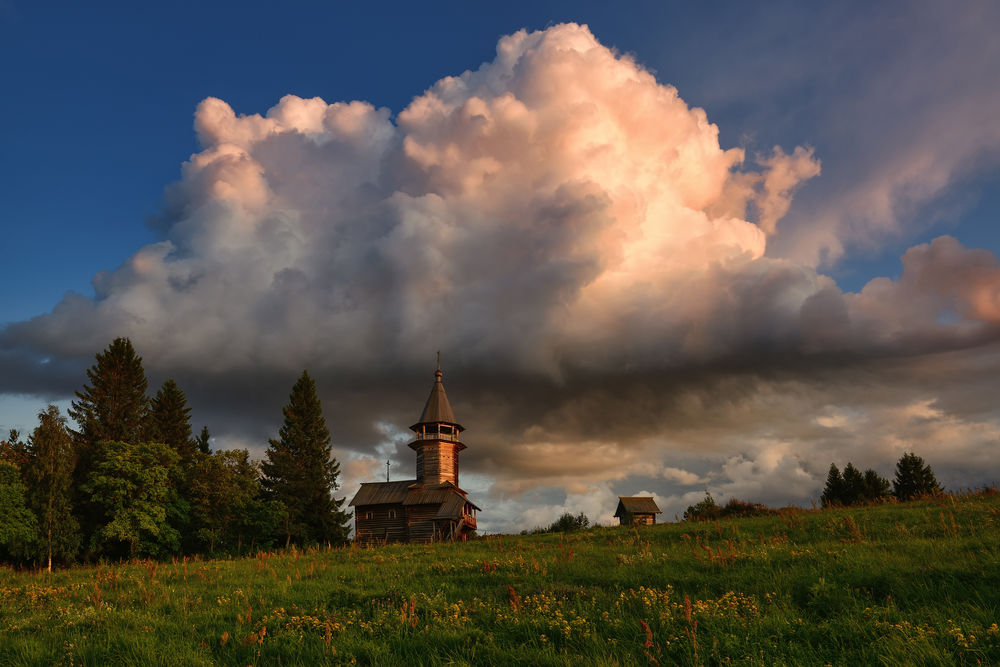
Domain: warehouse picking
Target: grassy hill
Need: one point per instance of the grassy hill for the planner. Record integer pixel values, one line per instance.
(895, 584)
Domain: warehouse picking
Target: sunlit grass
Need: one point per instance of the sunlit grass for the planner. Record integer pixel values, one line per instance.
(896, 584)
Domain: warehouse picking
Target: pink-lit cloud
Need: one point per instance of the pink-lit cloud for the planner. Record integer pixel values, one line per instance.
(574, 237)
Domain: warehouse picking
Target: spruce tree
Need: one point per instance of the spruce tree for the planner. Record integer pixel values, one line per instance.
(202, 441)
(13, 450)
(876, 486)
(170, 421)
(854, 486)
(833, 494)
(913, 478)
(49, 477)
(112, 408)
(300, 472)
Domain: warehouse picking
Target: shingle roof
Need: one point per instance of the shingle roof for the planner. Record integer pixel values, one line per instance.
(636, 505)
(435, 494)
(382, 493)
(437, 409)
(452, 508)
(406, 492)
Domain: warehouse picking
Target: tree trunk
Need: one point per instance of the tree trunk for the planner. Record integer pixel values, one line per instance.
(48, 524)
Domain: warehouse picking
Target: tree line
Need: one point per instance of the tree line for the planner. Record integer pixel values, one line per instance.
(132, 481)
(913, 479)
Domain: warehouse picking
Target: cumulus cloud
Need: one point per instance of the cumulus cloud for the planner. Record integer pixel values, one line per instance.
(908, 107)
(566, 228)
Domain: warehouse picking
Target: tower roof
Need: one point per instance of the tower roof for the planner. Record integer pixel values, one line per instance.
(437, 409)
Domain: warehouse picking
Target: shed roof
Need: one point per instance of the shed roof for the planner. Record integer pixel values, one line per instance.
(452, 508)
(434, 495)
(637, 505)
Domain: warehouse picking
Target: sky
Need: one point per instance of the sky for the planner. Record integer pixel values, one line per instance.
(681, 248)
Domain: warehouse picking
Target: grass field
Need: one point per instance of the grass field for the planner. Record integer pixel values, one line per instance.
(915, 583)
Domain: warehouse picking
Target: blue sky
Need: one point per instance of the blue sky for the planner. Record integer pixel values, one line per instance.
(897, 104)
(101, 99)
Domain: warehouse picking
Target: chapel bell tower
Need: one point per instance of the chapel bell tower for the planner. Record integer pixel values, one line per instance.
(436, 442)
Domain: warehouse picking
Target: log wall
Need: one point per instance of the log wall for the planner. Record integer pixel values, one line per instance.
(437, 462)
(421, 522)
(381, 527)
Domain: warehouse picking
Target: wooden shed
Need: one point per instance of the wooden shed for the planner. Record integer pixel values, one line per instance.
(431, 507)
(637, 510)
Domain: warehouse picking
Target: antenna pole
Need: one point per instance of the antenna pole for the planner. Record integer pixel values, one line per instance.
(387, 470)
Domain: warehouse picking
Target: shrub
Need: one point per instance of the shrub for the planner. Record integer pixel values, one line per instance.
(706, 510)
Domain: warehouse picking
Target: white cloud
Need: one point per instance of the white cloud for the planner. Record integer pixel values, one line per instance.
(682, 477)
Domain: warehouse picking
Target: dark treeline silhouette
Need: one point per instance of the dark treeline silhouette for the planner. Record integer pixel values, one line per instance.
(134, 482)
(913, 479)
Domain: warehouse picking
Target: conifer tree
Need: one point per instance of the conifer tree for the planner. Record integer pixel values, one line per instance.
(170, 421)
(202, 441)
(854, 486)
(114, 406)
(301, 473)
(876, 486)
(48, 473)
(913, 478)
(833, 494)
(12, 449)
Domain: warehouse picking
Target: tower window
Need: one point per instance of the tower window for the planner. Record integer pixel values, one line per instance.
(392, 514)
(369, 515)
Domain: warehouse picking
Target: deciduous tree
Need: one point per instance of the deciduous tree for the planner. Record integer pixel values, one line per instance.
(18, 526)
(224, 489)
(48, 473)
(132, 483)
(704, 510)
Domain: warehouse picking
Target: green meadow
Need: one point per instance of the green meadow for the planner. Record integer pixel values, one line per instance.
(913, 583)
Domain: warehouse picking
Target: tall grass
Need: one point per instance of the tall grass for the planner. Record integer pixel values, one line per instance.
(915, 583)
